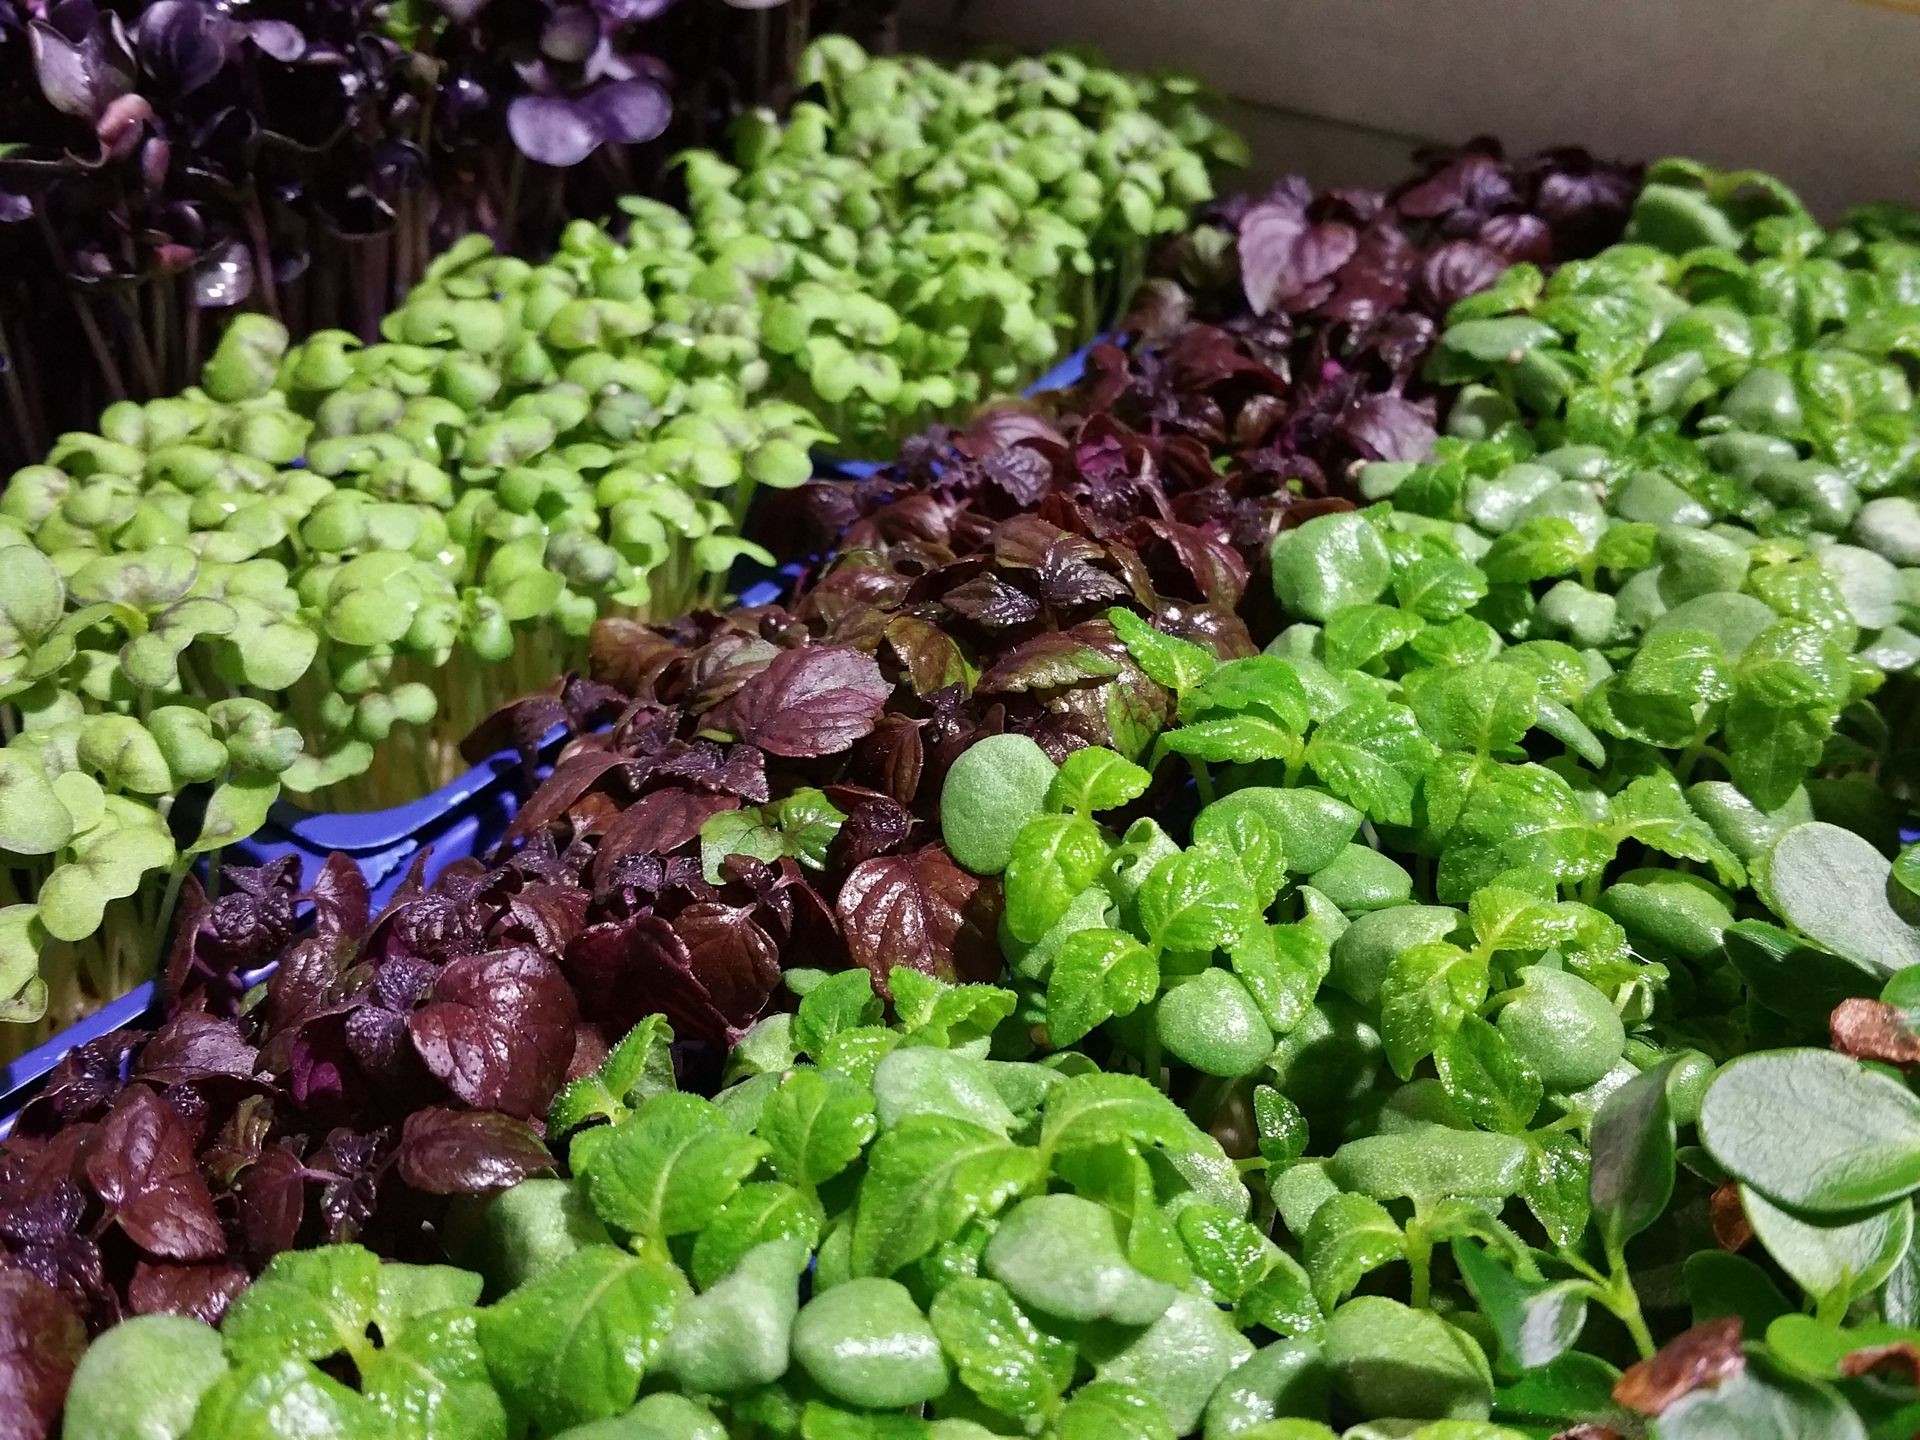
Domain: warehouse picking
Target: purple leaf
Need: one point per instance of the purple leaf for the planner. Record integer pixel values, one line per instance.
(658, 823)
(467, 1152)
(920, 911)
(498, 1031)
(81, 78)
(552, 130)
(182, 43)
(736, 961)
(1388, 427)
(40, 1342)
(813, 701)
(273, 1202)
(1282, 254)
(141, 1165)
(1457, 269)
(202, 1292)
(280, 39)
(192, 1046)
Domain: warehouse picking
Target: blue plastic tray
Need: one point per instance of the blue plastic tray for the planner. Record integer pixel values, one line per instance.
(460, 819)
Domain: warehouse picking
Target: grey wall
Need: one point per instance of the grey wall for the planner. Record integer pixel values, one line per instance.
(1825, 93)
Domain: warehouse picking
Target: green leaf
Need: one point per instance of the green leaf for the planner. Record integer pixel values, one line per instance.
(1241, 738)
(993, 789)
(573, 1345)
(306, 1305)
(1633, 1158)
(1196, 900)
(1539, 548)
(1439, 588)
(433, 1382)
(1654, 811)
(1360, 635)
(668, 1170)
(1261, 685)
(1834, 1260)
(1350, 1237)
(235, 810)
(1095, 778)
(1097, 974)
(1771, 1120)
(1179, 1360)
(1520, 817)
(1228, 1253)
(1429, 1162)
(639, 1067)
(841, 1002)
(737, 1334)
(808, 823)
(1054, 858)
(1001, 1355)
(814, 1127)
(951, 1016)
(1245, 832)
(1763, 1400)
(1094, 1108)
(1482, 708)
(736, 832)
(33, 821)
(251, 1402)
(1491, 1085)
(1282, 1300)
(1064, 1256)
(758, 1212)
(1426, 994)
(1372, 755)
(1107, 1410)
(143, 1379)
(926, 1178)
(1282, 966)
(920, 1080)
(1389, 1360)
(1535, 1322)
(1831, 884)
(1283, 1129)
(1557, 1184)
(1177, 664)
(1329, 563)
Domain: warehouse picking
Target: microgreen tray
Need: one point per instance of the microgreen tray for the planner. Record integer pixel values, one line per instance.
(462, 818)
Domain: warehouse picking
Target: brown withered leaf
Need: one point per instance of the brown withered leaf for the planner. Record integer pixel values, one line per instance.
(1874, 1030)
(1694, 1360)
(1729, 1219)
(1899, 1361)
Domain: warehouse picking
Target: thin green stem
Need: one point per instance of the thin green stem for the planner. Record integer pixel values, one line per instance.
(1420, 1264)
(1203, 782)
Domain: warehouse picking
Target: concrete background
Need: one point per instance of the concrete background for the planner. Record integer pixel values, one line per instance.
(1824, 93)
